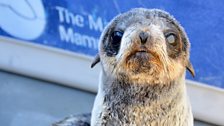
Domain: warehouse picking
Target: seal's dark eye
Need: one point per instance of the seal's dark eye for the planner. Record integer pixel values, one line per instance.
(114, 45)
(116, 38)
(171, 39)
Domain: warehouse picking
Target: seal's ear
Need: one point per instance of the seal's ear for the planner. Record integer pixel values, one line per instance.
(96, 60)
(190, 68)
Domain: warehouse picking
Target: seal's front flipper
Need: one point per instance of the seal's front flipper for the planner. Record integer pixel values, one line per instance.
(75, 120)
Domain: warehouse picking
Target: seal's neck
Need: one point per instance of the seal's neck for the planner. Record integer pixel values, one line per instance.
(162, 104)
(131, 93)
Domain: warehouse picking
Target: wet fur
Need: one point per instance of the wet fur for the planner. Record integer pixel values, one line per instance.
(140, 90)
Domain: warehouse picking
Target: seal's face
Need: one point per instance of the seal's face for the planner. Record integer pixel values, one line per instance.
(145, 46)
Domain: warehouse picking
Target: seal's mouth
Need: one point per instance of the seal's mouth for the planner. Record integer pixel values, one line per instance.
(139, 60)
(141, 54)
(141, 50)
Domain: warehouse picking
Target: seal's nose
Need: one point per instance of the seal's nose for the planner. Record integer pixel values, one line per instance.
(143, 37)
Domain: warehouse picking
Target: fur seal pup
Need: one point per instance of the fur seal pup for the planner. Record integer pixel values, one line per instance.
(144, 54)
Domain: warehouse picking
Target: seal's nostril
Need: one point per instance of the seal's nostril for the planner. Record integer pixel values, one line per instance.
(143, 37)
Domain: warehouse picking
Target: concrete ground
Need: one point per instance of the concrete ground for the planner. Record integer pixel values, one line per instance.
(29, 102)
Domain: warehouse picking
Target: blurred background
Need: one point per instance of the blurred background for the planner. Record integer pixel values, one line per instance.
(46, 48)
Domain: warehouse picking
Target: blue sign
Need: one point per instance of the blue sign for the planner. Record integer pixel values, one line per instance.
(75, 25)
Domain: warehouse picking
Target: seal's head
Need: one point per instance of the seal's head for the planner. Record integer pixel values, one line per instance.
(145, 45)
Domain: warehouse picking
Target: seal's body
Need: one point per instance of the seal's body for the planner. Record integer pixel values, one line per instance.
(142, 105)
(143, 54)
